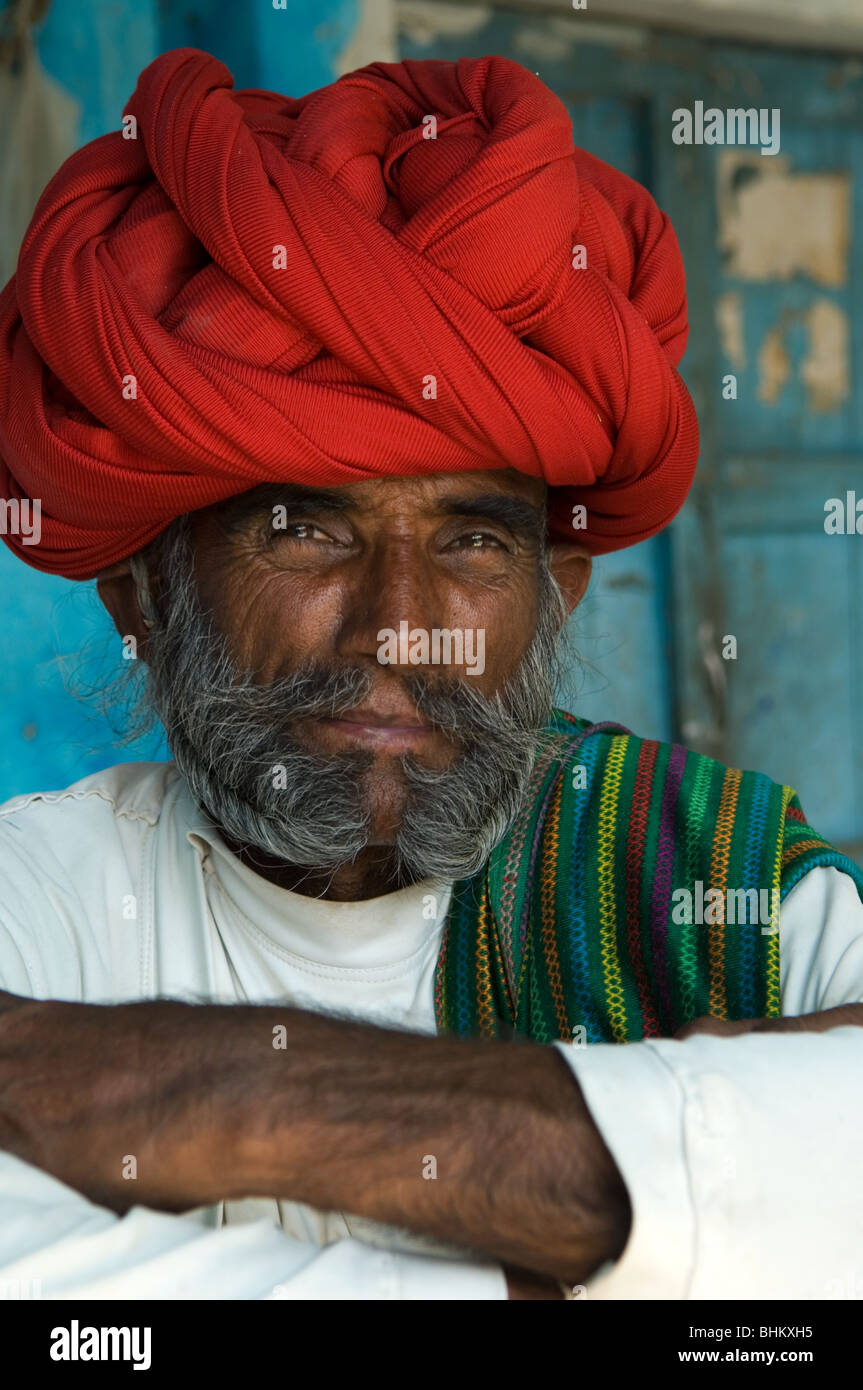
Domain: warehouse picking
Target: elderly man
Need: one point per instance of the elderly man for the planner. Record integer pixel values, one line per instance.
(336, 397)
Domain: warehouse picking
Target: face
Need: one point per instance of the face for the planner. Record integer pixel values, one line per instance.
(325, 579)
(326, 603)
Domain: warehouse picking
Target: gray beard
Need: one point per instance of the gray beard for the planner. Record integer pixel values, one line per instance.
(232, 740)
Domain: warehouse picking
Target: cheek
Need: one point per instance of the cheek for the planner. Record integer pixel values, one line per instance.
(507, 623)
(276, 622)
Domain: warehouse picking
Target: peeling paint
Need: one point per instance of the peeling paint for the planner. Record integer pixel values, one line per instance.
(774, 366)
(540, 42)
(824, 371)
(423, 21)
(552, 39)
(832, 24)
(729, 320)
(373, 40)
(586, 28)
(774, 224)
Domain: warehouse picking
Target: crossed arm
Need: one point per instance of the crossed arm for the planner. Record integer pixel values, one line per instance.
(343, 1116)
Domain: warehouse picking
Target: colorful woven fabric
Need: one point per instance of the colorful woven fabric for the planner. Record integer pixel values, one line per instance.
(578, 920)
(411, 270)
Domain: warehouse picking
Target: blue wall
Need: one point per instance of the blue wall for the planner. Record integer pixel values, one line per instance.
(57, 639)
(748, 554)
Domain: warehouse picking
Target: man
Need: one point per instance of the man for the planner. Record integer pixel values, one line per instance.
(326, 402)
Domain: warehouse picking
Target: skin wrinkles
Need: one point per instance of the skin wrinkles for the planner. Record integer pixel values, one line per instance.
(338, 1119)
(376, 568)
(441, 552)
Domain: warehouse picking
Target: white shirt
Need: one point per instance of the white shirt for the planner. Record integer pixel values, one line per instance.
(741, 1156)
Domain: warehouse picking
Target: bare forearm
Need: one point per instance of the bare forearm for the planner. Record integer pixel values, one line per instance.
(486, 1145)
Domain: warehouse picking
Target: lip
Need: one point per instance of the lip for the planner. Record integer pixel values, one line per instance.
(377, 719)
(395, 732)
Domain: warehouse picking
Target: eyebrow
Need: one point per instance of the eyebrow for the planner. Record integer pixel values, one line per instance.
(299, 501)
(520, 516)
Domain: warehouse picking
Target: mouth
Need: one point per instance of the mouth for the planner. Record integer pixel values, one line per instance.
(393, 731)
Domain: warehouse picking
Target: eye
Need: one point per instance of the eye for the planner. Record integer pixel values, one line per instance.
(478, 540)
(303, 531)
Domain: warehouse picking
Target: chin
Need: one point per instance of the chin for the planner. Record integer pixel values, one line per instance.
(385, 797)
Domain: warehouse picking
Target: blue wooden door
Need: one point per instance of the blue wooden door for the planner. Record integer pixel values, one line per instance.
(769, 242)
(772, 301)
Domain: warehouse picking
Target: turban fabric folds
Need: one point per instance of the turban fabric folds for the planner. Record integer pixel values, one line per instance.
(335, 288)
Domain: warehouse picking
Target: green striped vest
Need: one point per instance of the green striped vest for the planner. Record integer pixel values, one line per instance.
(593, 917)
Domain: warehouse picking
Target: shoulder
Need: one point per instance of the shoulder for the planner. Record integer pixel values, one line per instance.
(615, 762)
(640, 796)
(69, 860)
(135, 791)
(822, 942)
(66, 837)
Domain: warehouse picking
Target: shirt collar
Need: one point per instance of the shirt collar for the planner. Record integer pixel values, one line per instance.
(370, 932)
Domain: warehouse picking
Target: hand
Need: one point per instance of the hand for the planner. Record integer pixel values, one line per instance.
(839, 1017)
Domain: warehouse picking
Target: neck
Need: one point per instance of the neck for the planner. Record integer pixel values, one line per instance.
(372, 874)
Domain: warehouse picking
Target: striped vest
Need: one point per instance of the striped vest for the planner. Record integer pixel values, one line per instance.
(593, 918)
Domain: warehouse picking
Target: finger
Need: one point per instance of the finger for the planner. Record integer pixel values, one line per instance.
(717, 1027)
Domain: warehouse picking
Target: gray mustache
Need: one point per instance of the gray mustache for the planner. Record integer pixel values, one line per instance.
(230, 734)
(319, 691)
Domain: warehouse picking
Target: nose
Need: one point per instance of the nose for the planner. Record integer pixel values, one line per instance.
(395, 585)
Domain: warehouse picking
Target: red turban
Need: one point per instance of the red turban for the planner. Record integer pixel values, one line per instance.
(258, 288)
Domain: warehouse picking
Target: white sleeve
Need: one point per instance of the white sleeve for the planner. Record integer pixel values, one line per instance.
(55, 1244)
(742, 1155)
(821, 943)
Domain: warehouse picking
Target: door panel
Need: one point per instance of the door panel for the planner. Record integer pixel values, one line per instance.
(769, 242)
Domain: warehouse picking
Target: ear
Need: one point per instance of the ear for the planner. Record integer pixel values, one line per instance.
(116, 588)
(571, 566)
